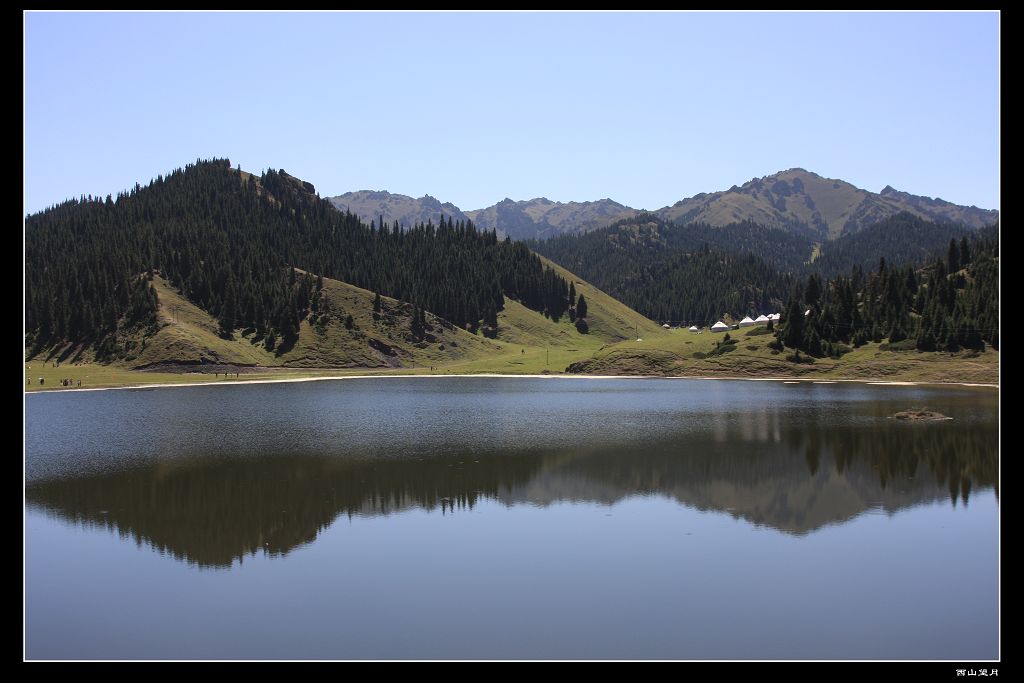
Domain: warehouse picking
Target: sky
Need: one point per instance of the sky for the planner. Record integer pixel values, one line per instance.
(472, 108)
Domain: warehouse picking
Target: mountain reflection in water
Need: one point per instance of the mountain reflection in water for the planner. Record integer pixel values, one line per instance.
(212, 510)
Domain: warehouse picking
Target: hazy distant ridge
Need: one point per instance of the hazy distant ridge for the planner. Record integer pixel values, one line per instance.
(795, 199)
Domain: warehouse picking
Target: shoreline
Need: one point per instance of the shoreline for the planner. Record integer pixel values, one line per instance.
(786, 380)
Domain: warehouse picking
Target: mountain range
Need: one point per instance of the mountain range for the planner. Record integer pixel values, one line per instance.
(795, 200)
(377, 206)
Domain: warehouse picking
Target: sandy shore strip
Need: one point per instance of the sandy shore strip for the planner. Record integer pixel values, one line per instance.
(282, 380)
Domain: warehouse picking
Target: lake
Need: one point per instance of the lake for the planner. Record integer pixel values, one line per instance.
(512, 518)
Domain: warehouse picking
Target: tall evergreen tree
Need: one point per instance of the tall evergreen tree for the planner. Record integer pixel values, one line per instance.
(953, 258)
(228, 312)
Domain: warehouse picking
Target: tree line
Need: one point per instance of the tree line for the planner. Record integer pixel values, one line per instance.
(949, 305)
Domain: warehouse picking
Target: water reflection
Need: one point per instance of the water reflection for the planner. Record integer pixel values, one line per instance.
(212, 510)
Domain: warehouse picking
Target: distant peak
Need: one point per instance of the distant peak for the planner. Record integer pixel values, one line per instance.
(796, 170)
(888, 189)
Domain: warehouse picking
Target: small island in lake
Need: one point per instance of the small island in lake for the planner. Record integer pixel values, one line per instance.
(918, 414)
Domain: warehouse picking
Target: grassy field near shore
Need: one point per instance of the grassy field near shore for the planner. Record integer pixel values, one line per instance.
(671, 355)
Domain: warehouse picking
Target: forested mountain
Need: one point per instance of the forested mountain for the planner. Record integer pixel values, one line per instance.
(647, 232)
(408, 211)
(695, 273)
(797, 199)
(691, 274)
(231, 243)
(899, 239)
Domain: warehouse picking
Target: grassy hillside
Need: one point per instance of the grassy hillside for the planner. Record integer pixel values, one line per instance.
(189, 335)
(532, 344)
(526, 341)
(610, 320)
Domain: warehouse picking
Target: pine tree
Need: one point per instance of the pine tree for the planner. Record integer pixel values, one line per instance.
(953, 258)
(813, 292)
(228, 312)
(791, 329)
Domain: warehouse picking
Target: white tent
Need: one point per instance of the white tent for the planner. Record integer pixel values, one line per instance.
(761, 320)
(693, 328)
(746, 322)
(774, 316)
(719, 327)
(666, 326)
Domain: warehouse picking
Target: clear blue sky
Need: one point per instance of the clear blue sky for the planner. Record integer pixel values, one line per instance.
(472, 108)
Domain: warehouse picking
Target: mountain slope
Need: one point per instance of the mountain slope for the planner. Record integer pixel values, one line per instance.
(900, 239)
(188, 336)
(801, 200)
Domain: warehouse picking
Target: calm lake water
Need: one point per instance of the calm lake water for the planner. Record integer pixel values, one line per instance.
(512, 518)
